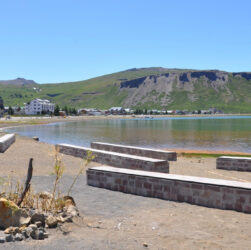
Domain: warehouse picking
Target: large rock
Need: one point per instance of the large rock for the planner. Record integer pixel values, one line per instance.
(12, 215)
(51, 221)
(38, 217)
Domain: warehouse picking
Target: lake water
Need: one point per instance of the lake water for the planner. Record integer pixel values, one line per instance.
(228, 133)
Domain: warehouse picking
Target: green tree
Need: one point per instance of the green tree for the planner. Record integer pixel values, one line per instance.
(56, 110)
(66, 110)
(10, 111)
(1, 103)
(74, 111)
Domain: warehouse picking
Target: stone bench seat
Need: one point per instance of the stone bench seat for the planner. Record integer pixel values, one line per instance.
(215, 193)
(146, 152)
(234, 163)
(117, 159)
(6, 141)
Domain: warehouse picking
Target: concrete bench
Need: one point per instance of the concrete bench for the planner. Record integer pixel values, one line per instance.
(117, 159)
(146, 152)
(222, 194)
(6, 141)
(234, 163)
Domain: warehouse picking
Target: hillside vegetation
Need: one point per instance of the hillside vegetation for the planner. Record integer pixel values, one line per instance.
(154, 88)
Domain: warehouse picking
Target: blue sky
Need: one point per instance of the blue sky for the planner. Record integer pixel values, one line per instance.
(69, 40)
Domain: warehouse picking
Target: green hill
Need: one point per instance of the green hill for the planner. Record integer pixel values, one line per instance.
(143, 88)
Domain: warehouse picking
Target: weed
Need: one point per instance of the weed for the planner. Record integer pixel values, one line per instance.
(90, 156)
(54, 202)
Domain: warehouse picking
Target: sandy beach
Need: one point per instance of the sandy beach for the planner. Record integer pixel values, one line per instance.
(113, 220)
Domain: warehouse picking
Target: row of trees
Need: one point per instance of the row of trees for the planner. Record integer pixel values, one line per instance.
(1, 103)
(67, 110)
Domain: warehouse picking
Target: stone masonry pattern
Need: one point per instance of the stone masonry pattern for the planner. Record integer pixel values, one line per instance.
(234, 163)
(157, 154)
(215, 196)
(6, 141)
(118, 160)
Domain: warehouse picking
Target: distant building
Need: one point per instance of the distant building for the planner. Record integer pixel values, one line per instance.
(205, 112)
(39, 106)
(62, 113)
(90, 112)
(128, 111)
(170, 112)
(117, 111)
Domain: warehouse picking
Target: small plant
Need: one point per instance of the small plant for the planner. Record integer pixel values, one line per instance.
(90, 156)
(58, 171)
(54, 202)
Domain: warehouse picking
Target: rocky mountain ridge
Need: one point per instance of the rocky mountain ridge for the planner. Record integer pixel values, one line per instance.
(159, 88)
(151, 88)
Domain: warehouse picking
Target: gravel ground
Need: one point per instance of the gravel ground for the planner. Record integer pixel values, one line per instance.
(114, 220)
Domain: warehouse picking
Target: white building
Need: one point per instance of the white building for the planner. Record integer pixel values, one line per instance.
(39, 106)
(117, 111)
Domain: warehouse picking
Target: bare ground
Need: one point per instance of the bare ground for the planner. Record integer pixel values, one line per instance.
(113, 220)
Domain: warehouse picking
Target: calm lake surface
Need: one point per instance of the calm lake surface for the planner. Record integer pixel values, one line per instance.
(228, 133)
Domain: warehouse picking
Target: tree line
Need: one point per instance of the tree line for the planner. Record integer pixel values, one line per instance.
(67, 110)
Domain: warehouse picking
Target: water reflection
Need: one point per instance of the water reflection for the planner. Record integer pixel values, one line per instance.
(214, 134)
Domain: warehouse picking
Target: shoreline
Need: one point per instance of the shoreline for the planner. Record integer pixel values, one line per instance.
(31, 121)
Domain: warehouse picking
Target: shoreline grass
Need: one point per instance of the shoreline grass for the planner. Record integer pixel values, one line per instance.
(212, 155)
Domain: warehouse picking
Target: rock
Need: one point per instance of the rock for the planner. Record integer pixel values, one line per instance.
(22, 228)
(33, 227)
(68, 219)
(72, 211)
(30, 231)
(34, 235)
(12, 215)
(60, 219)
(45, 195)
(38, 217)
(18, 237)
(46, 235)
(145, 244)
(42, 229)
(24, 218)
(2, 240)
(51, 221)
(69, 201)
(38, 223)
(11, 230)
(35, 138)
(9, 238)
(37, 235)
(25, 234)
(32, 211)
(40, 235)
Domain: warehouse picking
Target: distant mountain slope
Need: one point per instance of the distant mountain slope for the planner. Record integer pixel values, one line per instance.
(18, 82)
(145, 88)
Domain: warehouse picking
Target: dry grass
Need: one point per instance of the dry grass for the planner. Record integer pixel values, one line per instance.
(11, 188)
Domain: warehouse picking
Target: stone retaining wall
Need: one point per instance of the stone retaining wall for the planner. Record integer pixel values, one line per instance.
(207, 192)
(234, 163)
(117, 159)
(146, 152)
(6, 141)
